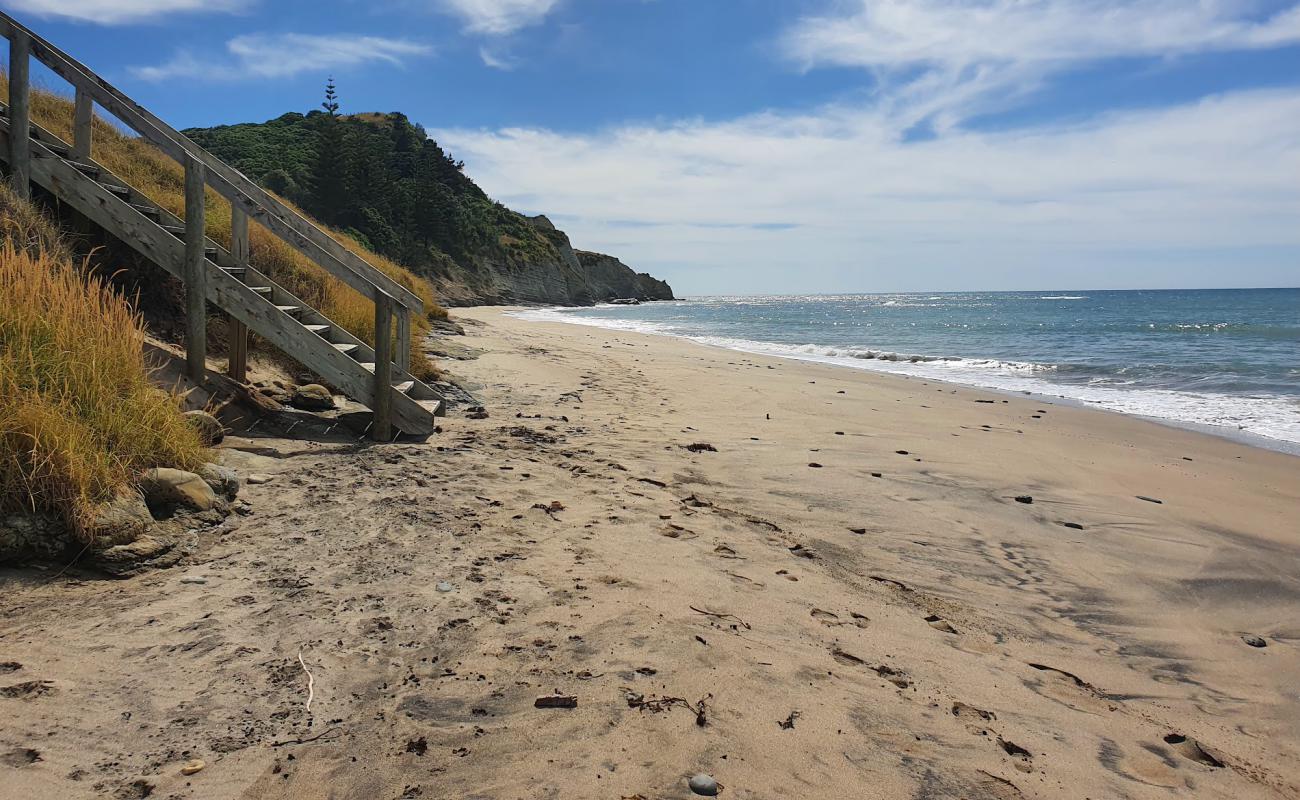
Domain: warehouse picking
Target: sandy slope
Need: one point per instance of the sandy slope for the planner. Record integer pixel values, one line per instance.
(920, 633)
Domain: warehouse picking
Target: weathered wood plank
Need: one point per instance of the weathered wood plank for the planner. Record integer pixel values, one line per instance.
(196, 278)
(82, 124)
(237, 366)
(382, 429)
(403, 343)
(20, 147)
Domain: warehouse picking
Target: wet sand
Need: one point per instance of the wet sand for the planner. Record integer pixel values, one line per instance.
(842, 599)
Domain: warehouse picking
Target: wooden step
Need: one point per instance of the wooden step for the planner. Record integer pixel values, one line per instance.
(345, 347)
(148, 211)
(86, 169)
(435, 407)
(290, 310)
(319, 330)
(175, 230)
(262, 290)
(120, 191)
(236, 270)
(404, 387)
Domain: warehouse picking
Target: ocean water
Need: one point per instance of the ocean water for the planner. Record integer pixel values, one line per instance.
(1223, 360)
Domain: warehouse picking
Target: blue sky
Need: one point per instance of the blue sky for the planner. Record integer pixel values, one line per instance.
(757, 146)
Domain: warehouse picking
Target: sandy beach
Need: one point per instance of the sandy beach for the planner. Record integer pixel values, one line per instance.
(836, 594)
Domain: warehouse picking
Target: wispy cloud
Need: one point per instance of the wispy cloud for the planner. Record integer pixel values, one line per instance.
(495, 58)
(118, 12)
(281, 55)
(849, 204)
(946, 59)
(961, 33)
(498, 17)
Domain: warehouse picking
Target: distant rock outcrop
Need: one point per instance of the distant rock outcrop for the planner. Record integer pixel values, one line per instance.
(554, 275)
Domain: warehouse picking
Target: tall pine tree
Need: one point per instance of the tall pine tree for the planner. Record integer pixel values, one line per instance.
(329, 191)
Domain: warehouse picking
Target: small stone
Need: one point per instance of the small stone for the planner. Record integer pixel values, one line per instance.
(198, 581)
(257, 480)
(703, 785)
(1151, 500)
(210, 429)
(312, 397)
(173, 487)
(1254, 641)
(1024, 498)
(443, 586)
(814, 465)
(193, 766)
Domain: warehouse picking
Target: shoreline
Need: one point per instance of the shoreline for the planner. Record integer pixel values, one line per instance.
(799, 579)
(1240, 436)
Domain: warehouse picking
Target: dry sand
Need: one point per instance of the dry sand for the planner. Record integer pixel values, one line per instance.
(886, 625)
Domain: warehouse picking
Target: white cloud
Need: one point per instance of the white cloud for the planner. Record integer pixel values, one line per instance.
(838, 200)
(498, 17)
(959, 33)
(116, 12)
(263, 55)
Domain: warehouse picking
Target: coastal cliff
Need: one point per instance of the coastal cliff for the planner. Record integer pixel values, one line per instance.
(382, 180)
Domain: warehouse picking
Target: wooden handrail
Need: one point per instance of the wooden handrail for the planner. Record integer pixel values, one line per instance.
(285, 222)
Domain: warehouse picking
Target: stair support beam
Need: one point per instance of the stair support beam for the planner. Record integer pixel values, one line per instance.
(382, 429)
(20, 113)
(237, 362)
(82, 123)
(403, 339)
(196, 274)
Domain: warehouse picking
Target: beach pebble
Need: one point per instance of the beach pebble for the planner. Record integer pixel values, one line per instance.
(193, 766)
(443, 586)
(1151, 500)
(199, 581)
(1254, 641)
(703, 785)
(1024, 498)
(257, 480)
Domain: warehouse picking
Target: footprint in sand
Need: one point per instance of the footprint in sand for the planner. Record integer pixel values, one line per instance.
(1189, 748)
(940, 624)
(1021, 758)
(1069, 690)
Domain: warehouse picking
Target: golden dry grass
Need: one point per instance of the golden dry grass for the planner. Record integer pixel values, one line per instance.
(148, 170)
(79, 418)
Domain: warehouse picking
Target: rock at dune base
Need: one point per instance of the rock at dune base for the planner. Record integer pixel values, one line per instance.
(312, 397)
(210, 429)
(24, 535)
(223, 480)
(193, 767)
(174, 487)
(120, 521)
(1254, 641)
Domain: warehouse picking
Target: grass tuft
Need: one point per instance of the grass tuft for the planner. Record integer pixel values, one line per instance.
(79, 418)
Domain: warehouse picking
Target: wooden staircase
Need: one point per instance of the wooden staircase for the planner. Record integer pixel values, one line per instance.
(375, 377)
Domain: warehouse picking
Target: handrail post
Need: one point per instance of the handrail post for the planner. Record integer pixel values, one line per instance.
(82, 118)
(237, 366)
(382, 430)
(20, 122)
(196, 289)
(403, 338)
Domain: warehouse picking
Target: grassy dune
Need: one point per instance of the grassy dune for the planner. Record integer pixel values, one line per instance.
(163, 180)
(79, 417)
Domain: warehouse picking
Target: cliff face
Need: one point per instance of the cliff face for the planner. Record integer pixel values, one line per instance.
(553, 275)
